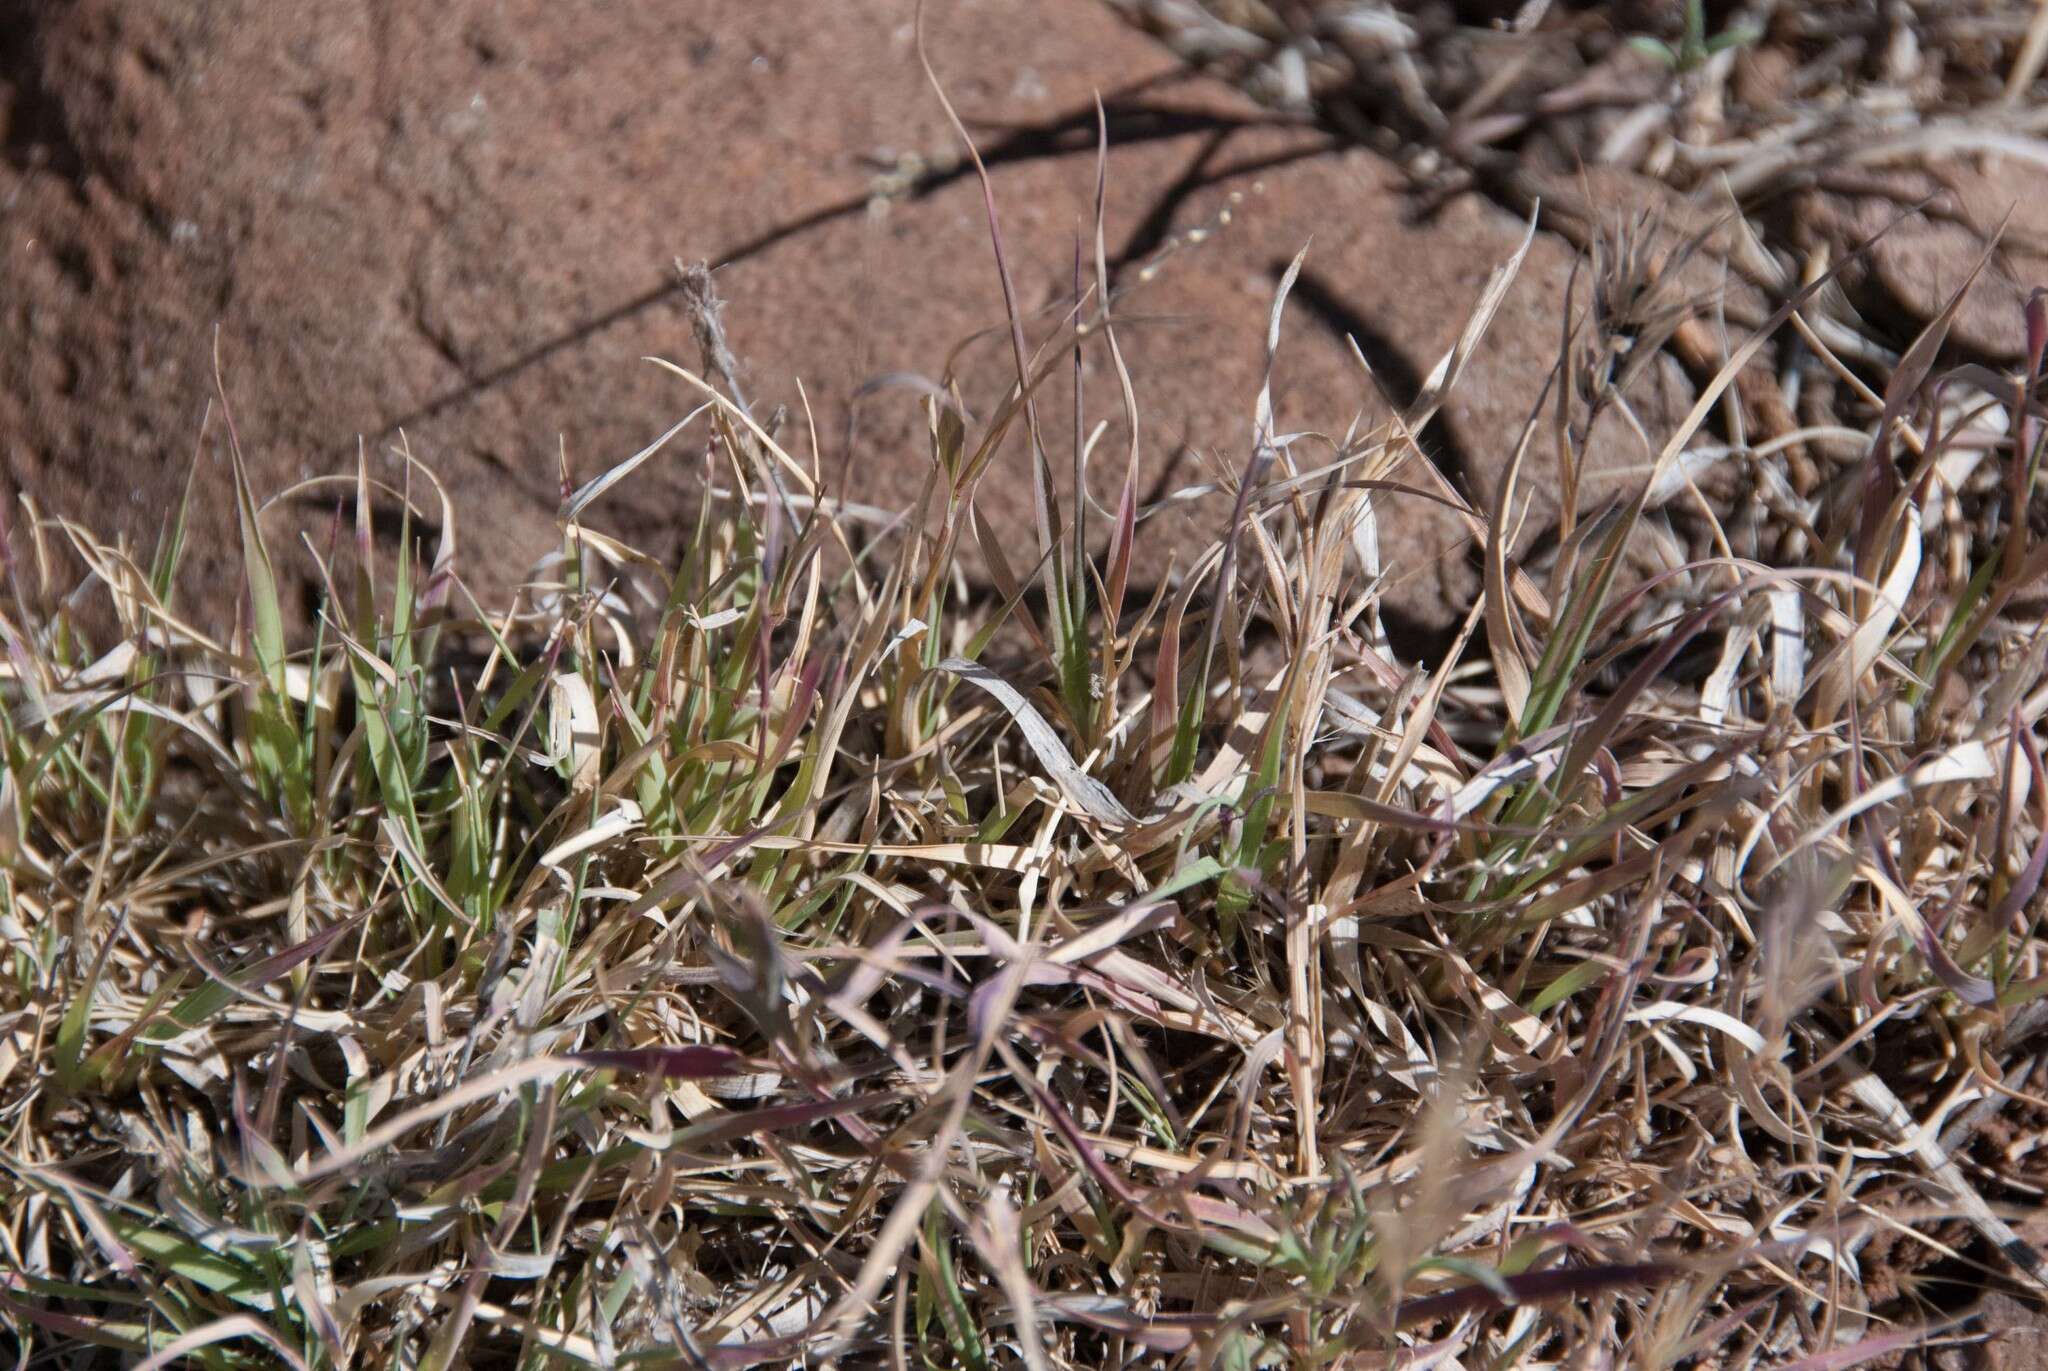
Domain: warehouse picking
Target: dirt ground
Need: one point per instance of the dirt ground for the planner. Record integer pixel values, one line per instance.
(457, 226)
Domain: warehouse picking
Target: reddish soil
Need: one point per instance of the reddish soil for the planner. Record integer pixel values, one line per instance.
(459, 221)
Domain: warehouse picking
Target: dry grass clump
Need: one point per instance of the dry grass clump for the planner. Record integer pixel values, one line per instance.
(1767, 94)
(736, 963)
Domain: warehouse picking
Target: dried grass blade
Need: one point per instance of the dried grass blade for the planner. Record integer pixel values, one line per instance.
(1091, 795)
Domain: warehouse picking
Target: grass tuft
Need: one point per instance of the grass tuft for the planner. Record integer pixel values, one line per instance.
(752, 960)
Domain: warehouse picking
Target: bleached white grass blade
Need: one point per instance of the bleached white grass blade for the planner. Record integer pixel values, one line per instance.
(1084, 790)
(587, 493)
